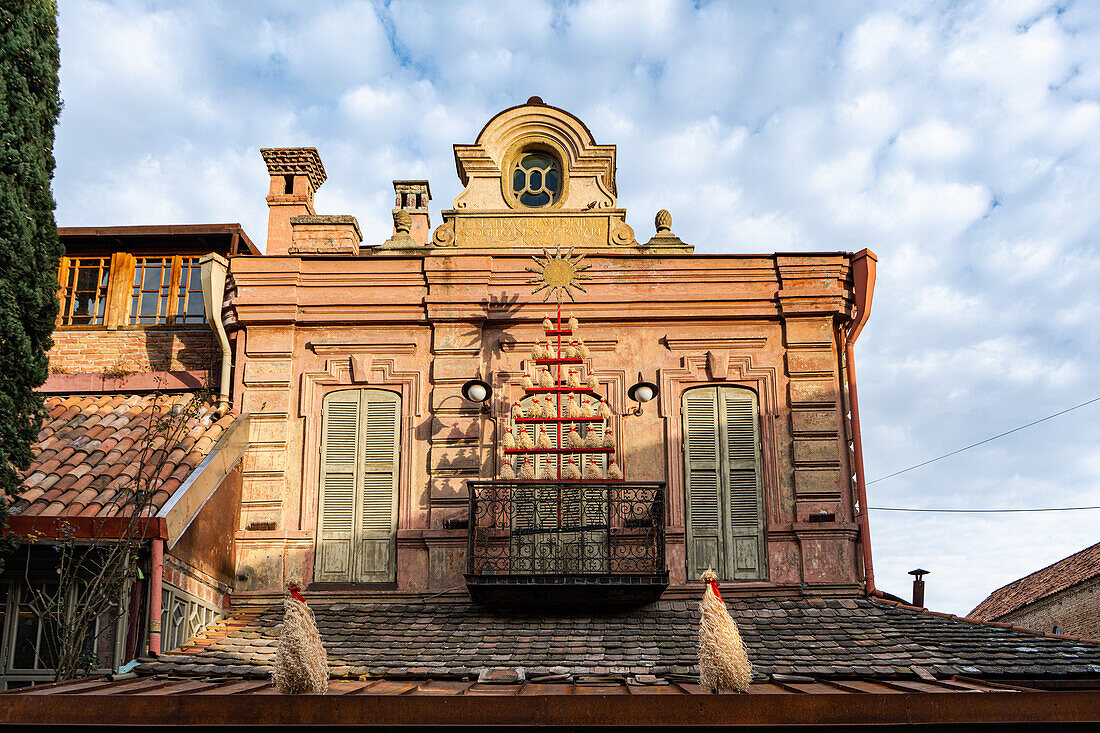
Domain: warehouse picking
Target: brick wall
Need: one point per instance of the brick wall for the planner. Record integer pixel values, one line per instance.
(145, 350)
(1076, 611)
(187, 577)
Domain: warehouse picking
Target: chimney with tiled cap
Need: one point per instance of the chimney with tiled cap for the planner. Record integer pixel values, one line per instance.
(296, 174)
(413, 196)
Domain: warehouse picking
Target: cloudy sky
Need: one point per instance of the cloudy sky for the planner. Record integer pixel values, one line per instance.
(959, 141)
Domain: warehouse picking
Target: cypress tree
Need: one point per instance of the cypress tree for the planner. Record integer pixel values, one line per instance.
(29, 247)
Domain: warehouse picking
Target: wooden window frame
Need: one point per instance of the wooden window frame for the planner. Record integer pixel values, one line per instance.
(118, 312)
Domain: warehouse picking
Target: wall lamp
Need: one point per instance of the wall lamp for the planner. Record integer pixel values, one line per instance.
(641, 393)
(478, 391)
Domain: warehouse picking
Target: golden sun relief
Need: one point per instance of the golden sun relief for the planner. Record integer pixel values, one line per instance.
(558, 274)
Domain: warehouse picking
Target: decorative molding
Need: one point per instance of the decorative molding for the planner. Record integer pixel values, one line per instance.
(718, 364)
(673, 343)
(339, 347)
(382, 373)
(741, 372)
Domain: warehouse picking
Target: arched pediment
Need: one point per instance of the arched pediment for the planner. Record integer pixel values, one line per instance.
(485, 168)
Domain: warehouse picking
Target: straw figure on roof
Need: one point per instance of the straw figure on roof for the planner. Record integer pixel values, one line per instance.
(301, 665)
(723, 663)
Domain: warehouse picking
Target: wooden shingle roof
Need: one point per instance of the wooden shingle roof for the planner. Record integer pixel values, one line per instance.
(822, 637)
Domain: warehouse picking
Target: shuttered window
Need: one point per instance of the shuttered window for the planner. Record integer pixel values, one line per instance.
(357, 518)
(725, 514)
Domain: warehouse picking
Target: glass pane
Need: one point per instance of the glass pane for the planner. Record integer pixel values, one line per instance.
(152, 277)
(82, 307)
(26, 634)
(552, 180)
(534, 199)
(537, 160)
(519, 181)
(195, 310)
(149, 302)
(87, 278)
(536, 180)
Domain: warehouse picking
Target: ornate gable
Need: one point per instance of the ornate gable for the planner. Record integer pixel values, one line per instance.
(534, 179)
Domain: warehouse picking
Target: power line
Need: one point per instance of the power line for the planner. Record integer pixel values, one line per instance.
(983, 511)
(983, 442)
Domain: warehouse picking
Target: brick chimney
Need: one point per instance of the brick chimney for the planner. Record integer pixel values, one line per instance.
(413, 196)
(296, 173)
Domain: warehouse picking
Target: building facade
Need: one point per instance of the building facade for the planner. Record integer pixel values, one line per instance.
(397, 328)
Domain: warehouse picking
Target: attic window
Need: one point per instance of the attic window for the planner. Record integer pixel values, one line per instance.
(536, 180)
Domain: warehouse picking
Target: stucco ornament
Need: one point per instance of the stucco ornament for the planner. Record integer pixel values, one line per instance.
(301, 664)
(402, 221)
(558, 274)
(723, 662)
(663, 223)
(535, 178)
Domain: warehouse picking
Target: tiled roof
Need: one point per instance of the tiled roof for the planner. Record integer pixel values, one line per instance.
(810, 636)
(1069, 571)
(90, 447)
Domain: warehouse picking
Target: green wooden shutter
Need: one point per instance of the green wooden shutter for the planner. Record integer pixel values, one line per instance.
(378, 497)
(339, 469)
(357, 516)
(705, 530)
(745, 555)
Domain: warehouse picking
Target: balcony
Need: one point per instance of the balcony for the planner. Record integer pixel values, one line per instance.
(566, 542)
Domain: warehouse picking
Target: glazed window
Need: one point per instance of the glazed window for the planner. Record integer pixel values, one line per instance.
(152, 282)
(189, 307)
(166, 290)
(84, 282)
(536, 180)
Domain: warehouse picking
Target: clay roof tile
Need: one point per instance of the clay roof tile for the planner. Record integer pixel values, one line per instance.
(1054, 578)
(91, 450)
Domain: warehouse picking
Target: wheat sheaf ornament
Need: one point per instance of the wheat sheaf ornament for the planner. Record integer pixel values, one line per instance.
(723, 662)
(301, 664)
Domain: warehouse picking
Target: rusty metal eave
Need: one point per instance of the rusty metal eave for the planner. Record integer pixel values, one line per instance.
(582, 707)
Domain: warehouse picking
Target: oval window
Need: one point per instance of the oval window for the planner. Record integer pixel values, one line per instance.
(536, 181)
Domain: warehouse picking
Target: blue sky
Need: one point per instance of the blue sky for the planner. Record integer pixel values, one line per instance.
(957, 140)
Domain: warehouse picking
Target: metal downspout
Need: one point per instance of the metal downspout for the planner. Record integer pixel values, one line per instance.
(156, 575)
(213, 272)
(863, 276)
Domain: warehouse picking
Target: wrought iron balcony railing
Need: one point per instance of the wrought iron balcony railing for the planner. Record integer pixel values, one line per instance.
(590, 531)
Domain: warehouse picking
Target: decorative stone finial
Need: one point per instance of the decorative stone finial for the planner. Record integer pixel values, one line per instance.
(535, 100)
(663, 222)
(664, 236)
(402, 221)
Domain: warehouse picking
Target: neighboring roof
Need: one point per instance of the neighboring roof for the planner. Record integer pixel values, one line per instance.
(90, 446)
(178, 237)
(795, 702)
(838, 637)
(1067, 572)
